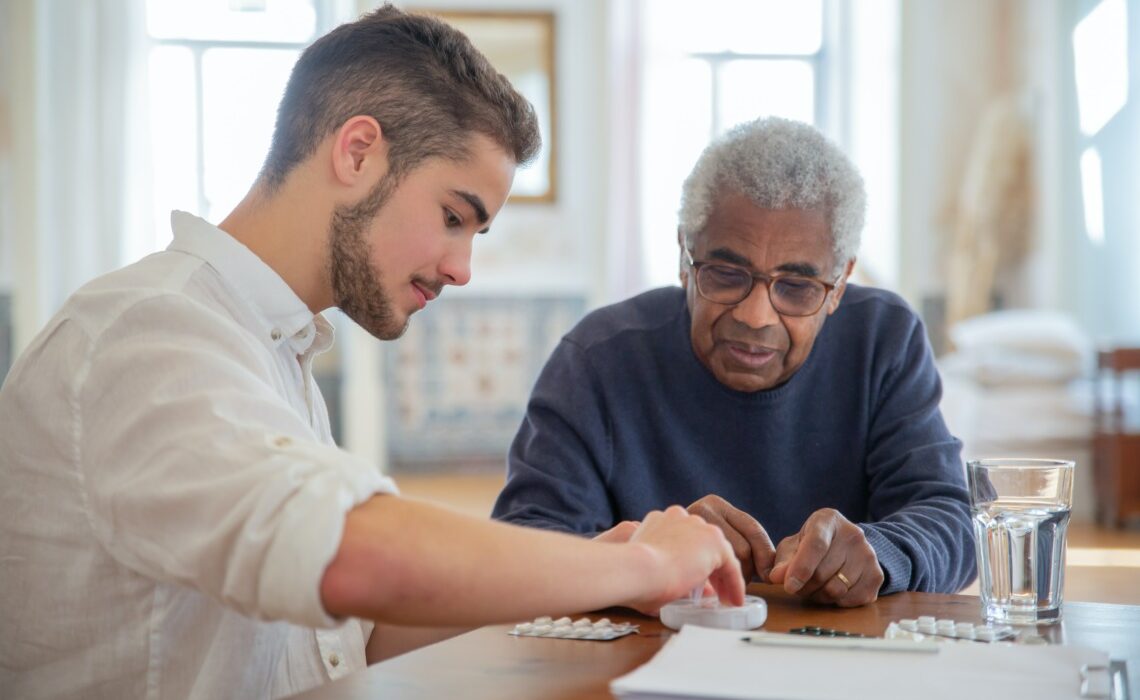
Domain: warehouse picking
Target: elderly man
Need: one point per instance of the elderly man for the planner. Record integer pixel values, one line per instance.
(780, 401)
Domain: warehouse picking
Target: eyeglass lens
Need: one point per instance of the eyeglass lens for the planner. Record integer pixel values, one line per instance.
(789, 295)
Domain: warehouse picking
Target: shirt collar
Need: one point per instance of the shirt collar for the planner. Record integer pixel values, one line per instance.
(284, 317)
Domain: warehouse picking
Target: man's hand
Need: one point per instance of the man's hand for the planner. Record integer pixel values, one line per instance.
(687, 552)
(749, 540)
(829, 561)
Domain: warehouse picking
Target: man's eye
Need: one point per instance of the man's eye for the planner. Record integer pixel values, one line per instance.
(725, 276)
(793, 284)
(796, 288)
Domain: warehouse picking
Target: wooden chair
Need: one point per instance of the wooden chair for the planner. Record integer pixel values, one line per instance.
(1116, 444)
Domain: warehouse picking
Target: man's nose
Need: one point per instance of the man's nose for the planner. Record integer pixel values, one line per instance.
(756, 310)
(455, 267)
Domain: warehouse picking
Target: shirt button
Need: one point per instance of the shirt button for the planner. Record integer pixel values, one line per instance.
(282, 441)
(276, 334)
(334, 660)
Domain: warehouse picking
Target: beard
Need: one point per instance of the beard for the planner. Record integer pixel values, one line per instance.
(356, 283)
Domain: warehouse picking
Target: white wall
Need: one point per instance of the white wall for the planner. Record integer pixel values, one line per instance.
(959, 55)
(1100, 281)
(948, 55)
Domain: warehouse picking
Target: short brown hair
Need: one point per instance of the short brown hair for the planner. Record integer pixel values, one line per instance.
(420, 78)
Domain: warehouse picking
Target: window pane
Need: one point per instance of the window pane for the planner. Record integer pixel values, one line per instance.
(743, 26)
(676, 126)
(241, 89)
(1093, 195)
(232, 20)
(174, 143)
(534, 179)
(1100, 61)
(751, 89)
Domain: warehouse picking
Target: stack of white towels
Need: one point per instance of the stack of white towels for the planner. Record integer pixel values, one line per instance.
(1019, 383)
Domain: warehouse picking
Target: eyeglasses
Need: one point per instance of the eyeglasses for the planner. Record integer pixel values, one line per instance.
(790, 294)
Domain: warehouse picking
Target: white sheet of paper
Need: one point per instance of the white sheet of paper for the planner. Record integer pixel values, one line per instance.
(709, 663)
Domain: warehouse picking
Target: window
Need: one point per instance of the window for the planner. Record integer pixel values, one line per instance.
(832, 63)
(1105, 142)
(742, 60)
(217, 70)
(1100, 55)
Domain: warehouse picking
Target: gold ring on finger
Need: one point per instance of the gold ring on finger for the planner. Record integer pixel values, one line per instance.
(846, 582)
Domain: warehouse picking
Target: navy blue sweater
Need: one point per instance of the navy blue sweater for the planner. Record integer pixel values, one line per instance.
(624, 419)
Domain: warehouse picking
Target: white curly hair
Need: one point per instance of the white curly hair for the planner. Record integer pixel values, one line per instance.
(778, 164)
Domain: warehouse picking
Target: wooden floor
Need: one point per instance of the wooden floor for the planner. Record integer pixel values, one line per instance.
(1103, 565)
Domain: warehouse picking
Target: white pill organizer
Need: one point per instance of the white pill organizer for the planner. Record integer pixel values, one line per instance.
(708, 612)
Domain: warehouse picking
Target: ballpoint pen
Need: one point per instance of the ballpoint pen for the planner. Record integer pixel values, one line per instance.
(861, 643)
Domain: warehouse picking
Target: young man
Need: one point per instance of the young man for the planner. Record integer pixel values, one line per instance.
(780, 402)
(175, 520)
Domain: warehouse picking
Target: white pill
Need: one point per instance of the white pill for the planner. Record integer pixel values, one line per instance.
(544, 620)
(524, 627)
(909, 625)
(984, 634)
(562, 621)
(964, 630)
(583, 622)
(926, 620)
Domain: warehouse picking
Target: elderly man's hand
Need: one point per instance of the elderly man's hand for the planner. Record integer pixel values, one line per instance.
(829, 561)
(749, 540)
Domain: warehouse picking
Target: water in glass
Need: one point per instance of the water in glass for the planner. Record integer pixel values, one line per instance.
(1021, 560)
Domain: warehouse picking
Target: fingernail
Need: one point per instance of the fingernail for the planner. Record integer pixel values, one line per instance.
(793, 584)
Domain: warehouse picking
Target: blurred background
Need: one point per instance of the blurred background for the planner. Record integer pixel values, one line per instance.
(999, 141)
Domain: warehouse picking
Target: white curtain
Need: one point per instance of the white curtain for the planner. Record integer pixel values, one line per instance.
(79, 144)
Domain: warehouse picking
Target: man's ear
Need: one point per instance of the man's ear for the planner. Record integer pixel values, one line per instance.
(360, 153)
(840, 287)
(682, 268)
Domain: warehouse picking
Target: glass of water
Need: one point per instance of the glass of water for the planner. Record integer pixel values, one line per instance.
(1020, 509)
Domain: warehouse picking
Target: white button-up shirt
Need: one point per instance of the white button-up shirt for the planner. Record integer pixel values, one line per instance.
(170, 493)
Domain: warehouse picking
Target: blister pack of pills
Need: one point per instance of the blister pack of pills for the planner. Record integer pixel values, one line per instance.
(602, 630)
(927, 628)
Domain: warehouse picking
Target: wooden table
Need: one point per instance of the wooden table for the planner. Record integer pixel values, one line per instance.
(489, 663)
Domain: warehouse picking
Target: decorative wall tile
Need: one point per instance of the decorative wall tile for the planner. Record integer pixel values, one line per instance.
(459, 379)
